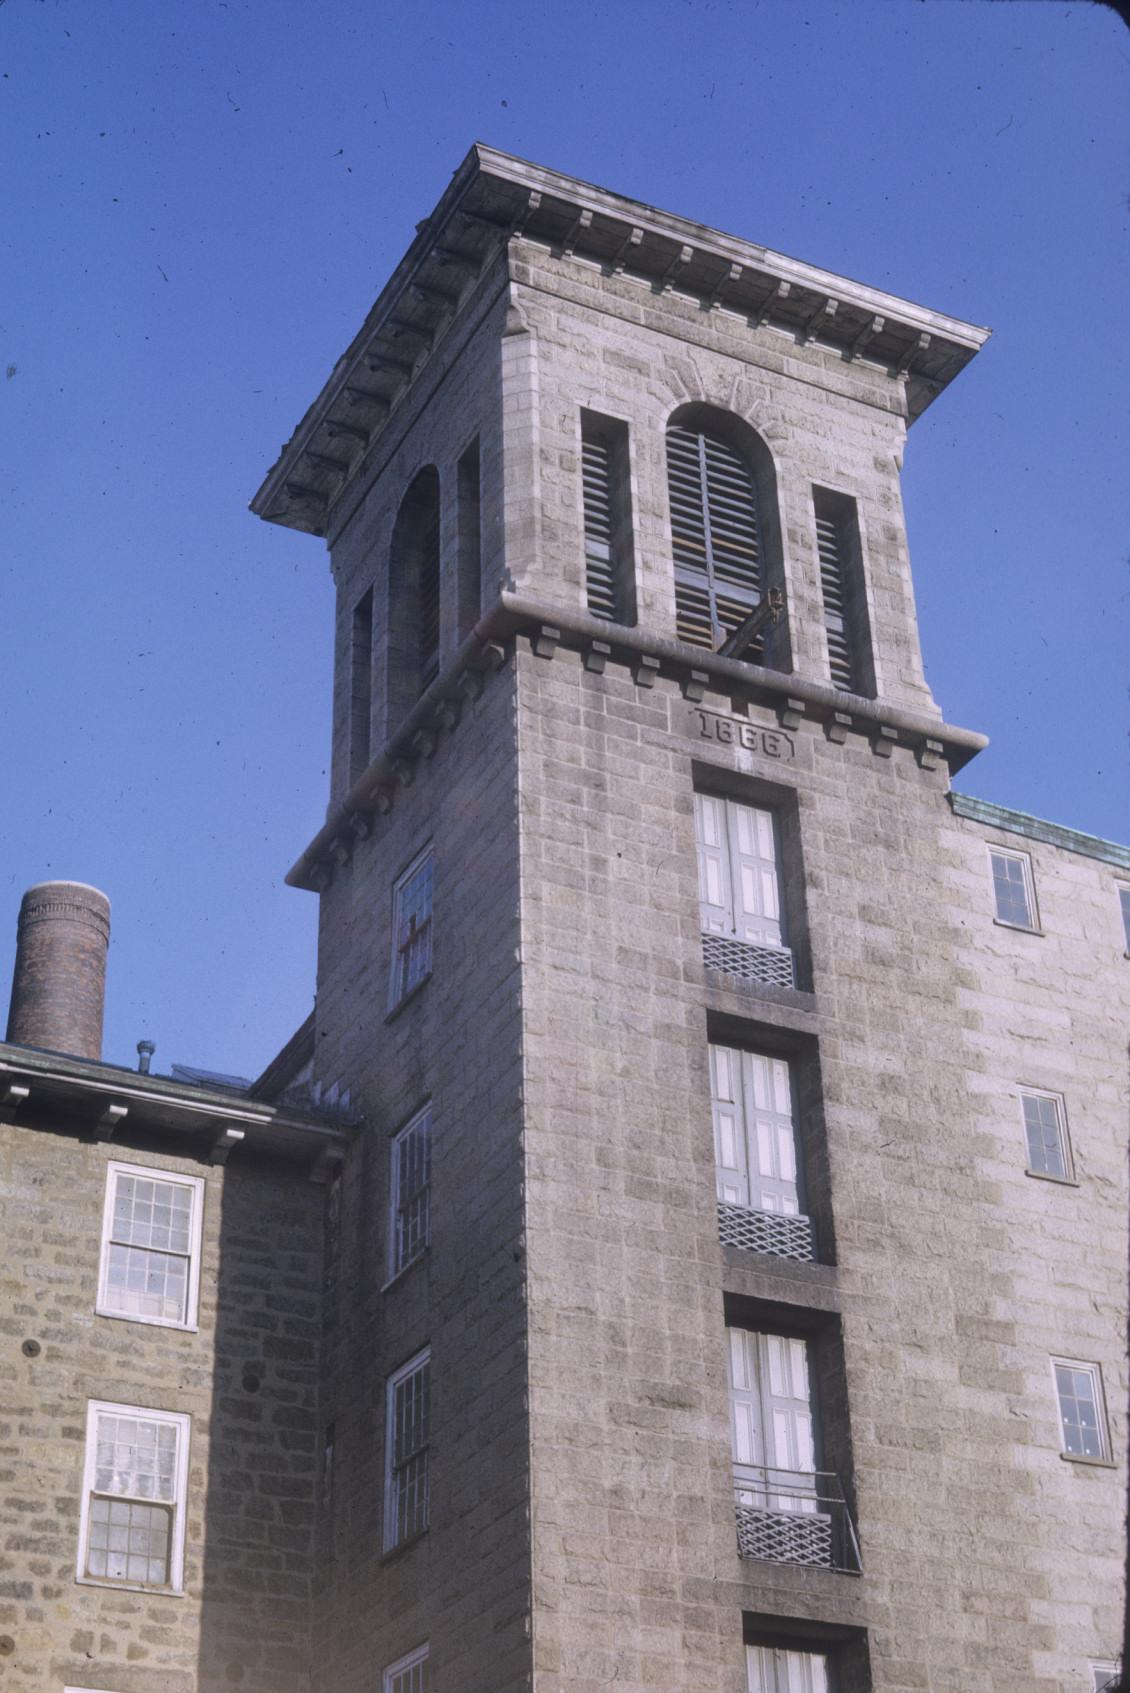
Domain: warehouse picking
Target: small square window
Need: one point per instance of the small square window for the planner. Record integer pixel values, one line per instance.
(407, 1675)
(131, 1532)
(406, 1451)
(410, 1193)
(150, 1268)
(1013, 889)
(1045, 1128)
(1105, 1677)
(1082, 1409)
(411, 929)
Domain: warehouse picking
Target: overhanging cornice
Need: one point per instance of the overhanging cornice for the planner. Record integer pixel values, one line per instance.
(494, 196)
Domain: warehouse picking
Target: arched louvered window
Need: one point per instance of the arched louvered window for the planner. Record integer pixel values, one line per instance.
(715, 533)
(414, 596)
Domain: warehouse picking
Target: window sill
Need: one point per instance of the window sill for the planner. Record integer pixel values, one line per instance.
(405, 1269)
(408, 998)
(150, 1322)
(129, 1587)
(1018, 928)
(402, 1546)
(1088, 1462)
(1047, 1176)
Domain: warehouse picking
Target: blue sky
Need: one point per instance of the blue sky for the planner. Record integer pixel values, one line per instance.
(203, 198)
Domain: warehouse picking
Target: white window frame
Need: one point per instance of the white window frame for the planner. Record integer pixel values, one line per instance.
(1024, 859)
(787, 1669)
(764, 923)
(392, 1539)
(1095, 1372)
(397, 1264)
(411, 1660)
(1124, 913)
(398, 987)
(1103, 1672)
(183, 1424)
(1057, 1100)
(147, 1172)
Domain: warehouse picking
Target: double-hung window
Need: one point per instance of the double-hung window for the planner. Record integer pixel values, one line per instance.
(1014, 891)
(150, 1269)
(1082, 1409)
(411, 929)
(410, 1190)
(406, 1451)
(739, 882)
(1045, 1129)
(778, 1669)
(133, 1505)
(755, 1153)
(408, 1674)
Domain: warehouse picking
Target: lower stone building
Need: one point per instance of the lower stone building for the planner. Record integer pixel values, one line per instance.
(712, 1275)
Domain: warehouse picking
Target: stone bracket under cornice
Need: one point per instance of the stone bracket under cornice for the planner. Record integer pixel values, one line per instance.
(494, 197)
(646, 657)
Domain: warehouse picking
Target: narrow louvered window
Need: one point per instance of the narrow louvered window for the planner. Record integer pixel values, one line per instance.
(361, 695)
(841, 585)
(716, 537)
(609, 589)
(429, 602)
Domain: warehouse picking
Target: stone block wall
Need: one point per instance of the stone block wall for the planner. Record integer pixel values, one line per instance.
(248, 1380)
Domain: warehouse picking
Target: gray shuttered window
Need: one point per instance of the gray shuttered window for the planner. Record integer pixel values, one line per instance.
(715, 535)
(828, 541)
(844, 597)
(609, 583)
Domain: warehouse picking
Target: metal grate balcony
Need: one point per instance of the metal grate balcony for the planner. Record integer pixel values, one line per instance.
(788, 1517)
(772, 965)
(766, 1231)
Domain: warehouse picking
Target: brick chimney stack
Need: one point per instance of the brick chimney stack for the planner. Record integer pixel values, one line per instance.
(59, 985)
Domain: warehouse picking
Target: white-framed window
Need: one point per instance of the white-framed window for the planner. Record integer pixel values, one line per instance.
(406, 1450)
(410, 1192)
(780, 1669)
(755, 1153)
(150, 1266)
(1045, 1130)
(1082, 1409)
(131, 1531)
(411, 928)
(408, 1674)
(1105, 1676)
(1014, 891)
(771, 1407)
(739, 884)
(1124, 907)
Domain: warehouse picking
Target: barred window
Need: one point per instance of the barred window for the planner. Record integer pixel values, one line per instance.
(406, 1451)
(133, 1508)
(408, 1674)
(150, 1268)
(410, 1190)
(411, 928)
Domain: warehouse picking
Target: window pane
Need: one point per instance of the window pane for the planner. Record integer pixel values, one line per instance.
(1043, 1126)
(411, 1196)
(146, 1284)
(1010, 887)
(129, 1542)
(1079, 1409)
(136, 1456)
(152, 1213)
(407, 1458)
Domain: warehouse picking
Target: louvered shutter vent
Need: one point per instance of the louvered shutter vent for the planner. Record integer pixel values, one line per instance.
(600, 563)
(715, 534)
(829, 541)
(429, 602)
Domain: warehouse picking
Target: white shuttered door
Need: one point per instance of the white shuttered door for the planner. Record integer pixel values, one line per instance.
(754, 1135)
(753, 870)
(772, 1414)
(774, 1670)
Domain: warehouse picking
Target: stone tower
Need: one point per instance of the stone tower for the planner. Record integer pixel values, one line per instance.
(722, 1294)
